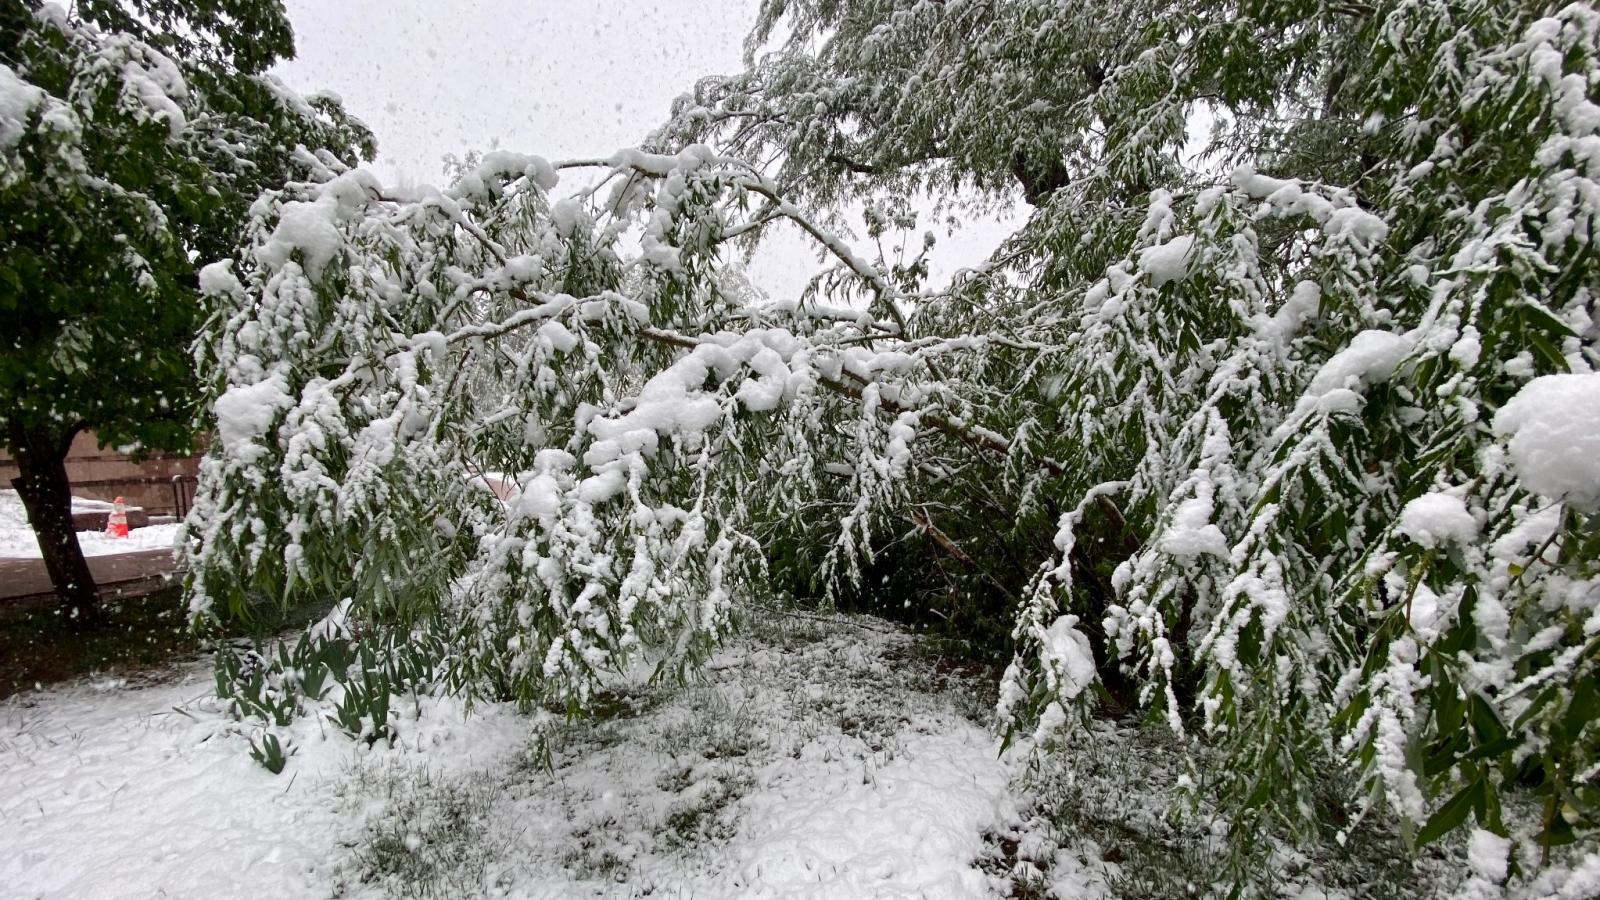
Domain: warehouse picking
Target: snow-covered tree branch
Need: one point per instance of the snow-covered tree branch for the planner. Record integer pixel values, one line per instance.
(1303, 463)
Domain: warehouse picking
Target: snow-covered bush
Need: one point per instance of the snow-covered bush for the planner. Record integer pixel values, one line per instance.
(1301, 462)
(387, 365)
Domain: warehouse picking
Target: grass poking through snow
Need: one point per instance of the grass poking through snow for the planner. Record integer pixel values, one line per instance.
(813, 757)
(830, 755)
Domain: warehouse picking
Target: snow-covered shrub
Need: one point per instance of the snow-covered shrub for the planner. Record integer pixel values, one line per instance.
(1301, 463)
(353, 680)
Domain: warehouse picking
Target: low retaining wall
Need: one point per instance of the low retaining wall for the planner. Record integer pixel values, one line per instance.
(101, 473)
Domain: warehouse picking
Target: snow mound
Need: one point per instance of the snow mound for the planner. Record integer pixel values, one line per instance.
(1066, 652)
(1434, 520)
(1371, 358)
(1487, 854)
(1169, 261)
(1553, 424)
(18, 99)
(1192, 533)
(245, 412)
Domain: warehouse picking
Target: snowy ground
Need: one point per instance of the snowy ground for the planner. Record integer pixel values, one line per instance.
(816, 758)
(17, 540)
(826, 764)
(827, 760)
(118, 791)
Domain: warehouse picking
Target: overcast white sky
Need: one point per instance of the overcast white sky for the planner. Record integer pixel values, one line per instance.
(560, 79)
(582, 77)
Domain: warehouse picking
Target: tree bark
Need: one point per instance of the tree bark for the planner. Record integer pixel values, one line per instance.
(41, 457)
(1039, 177)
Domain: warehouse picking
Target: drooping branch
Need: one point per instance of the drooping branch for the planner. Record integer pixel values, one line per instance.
(854, 386)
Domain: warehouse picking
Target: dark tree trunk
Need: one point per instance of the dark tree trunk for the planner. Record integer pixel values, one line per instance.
(41, 457)
(1039, 177)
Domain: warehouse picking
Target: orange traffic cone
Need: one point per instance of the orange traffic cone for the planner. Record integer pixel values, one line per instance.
(117, 523)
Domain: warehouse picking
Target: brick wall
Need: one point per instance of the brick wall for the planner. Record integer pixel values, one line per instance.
(101, 473)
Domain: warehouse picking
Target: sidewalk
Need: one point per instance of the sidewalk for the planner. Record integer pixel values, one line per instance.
(121, 574)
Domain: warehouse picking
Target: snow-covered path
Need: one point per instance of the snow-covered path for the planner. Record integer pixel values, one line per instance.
(828, 761)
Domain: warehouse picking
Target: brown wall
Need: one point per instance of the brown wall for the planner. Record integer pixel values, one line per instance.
(101, 473)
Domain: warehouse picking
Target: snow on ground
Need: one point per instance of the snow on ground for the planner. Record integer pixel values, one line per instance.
(111, 790)
(820, 763)
(814, 757)
(17, 540)
(23, 545)
(828, 760)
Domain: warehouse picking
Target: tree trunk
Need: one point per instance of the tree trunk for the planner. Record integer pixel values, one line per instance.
(41, 457)
(1039, 177)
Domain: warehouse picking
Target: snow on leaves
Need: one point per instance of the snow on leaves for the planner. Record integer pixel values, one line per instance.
(1313, 458)
(379, 354)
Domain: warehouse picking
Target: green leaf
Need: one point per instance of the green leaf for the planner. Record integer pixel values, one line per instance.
(1486, 724)
(1450, 816)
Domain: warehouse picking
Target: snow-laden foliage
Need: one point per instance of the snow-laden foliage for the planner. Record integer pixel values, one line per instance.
(388, 369)
(1290, 443)
(124, 153)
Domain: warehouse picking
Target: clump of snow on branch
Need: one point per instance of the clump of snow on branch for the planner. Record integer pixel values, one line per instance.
(1552, 428)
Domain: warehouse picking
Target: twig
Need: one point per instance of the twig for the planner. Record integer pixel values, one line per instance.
(835, 620)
